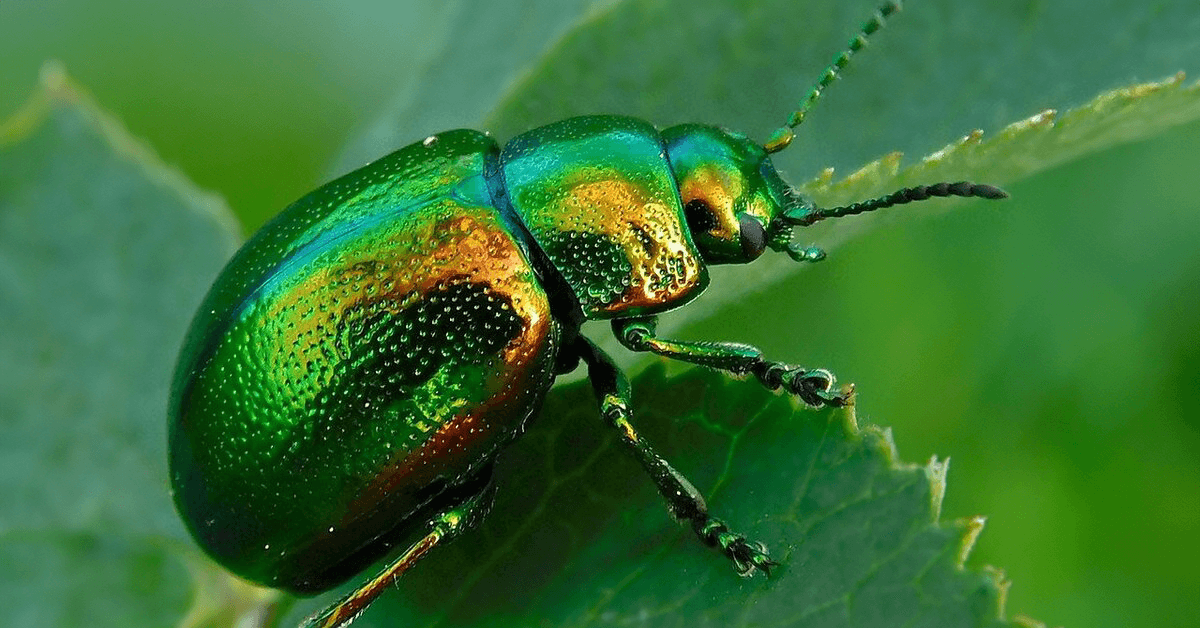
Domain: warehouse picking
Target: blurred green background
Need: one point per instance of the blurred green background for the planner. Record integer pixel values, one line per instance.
(1050, 345)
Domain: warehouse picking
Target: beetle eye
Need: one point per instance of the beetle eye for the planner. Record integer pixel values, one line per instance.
(754, 237)
(699, 216)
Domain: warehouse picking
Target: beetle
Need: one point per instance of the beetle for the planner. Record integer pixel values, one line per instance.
(357, 367)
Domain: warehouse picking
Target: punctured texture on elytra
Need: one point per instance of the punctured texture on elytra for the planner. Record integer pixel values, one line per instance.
(598, 195)
(366, 353)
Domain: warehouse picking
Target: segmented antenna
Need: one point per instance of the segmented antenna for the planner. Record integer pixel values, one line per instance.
(784, 135)
(900, 197)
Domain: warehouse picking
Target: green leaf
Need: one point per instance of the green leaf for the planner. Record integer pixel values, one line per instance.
(579, 537)
(104, 255)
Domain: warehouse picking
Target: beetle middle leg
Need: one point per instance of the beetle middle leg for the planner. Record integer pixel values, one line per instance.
(814, 386)
(683, 500)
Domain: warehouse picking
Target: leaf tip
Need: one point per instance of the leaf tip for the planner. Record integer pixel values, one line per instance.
(53, 78)
(936, 473)
(970, 139)
(972, 528)
(887, 446)
(54, 88)
(1040, 120)
(825, 177)
(1025, 621)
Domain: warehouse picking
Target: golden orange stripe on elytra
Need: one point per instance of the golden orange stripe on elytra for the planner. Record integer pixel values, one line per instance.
(393, 272)
(473, 246)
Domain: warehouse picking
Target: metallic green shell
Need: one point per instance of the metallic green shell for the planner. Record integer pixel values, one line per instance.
(366, 353)
(599, 197)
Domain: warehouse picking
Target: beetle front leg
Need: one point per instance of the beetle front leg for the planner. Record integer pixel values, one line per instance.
(683, 500)
(443, 527)
(813, 386)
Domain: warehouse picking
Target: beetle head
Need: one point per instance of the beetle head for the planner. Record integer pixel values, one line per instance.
(730, 191)
(733, 198)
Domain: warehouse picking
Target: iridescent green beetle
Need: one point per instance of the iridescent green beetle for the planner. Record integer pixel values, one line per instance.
(358, 366)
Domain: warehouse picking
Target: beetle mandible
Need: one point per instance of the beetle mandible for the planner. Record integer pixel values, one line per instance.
(359, 364)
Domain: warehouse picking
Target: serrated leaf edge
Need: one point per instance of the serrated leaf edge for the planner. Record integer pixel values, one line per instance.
(935, 472)
(881, 174)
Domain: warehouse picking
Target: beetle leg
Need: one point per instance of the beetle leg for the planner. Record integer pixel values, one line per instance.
(813, 386)
(683, 500)
(441, 528)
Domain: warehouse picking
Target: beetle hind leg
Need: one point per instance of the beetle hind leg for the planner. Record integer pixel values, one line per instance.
(683, 500)
(445, 526)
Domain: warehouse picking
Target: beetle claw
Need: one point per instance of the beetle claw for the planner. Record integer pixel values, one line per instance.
(815, 388)
(747, 556)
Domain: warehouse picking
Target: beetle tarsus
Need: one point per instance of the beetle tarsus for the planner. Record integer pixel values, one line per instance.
(747, 556)
(813, 386)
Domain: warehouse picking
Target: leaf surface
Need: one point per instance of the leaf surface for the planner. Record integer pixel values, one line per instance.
(578, 536)
(104, 255)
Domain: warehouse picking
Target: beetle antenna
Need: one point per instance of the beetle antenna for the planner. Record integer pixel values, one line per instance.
(899, 197)
(784, 135)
